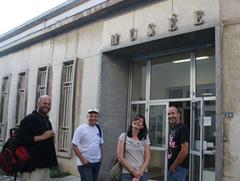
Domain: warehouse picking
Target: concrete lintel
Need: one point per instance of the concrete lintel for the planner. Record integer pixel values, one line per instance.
(161, 36)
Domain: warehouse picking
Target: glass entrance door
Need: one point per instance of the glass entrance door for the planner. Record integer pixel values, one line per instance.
(151, 84)
(158, 133)
(196, 140)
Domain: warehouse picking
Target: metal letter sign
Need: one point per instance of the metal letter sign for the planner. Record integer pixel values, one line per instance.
(151, 29)
(133, 34)
(173, 23)
(199, 17)
(115, 39)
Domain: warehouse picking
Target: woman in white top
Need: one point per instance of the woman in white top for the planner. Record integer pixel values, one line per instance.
(135, 159)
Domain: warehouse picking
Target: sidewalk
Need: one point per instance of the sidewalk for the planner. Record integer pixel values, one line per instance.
(67, 178)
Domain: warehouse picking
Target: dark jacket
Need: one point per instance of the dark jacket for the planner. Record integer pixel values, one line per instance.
(43, 154)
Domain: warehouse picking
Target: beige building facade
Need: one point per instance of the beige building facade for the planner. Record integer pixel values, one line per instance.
(130, 57)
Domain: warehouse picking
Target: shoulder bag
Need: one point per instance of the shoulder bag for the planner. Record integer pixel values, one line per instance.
(116, 170)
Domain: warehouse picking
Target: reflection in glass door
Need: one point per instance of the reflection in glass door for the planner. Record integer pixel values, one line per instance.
(176, 78)
(158, 134)
(196, 137)
(209, 143)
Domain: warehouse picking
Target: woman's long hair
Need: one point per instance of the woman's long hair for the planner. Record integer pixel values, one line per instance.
(142, 135)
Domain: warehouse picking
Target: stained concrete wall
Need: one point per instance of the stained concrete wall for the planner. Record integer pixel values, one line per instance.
(67, 46)
(102, 81)
(113, 105)
(75, 44)
(230, 17)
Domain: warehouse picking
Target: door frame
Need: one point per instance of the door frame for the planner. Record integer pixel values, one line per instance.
(191, 141)
(165, 148)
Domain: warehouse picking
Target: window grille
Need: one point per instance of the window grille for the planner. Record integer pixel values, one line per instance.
(42, 83)
(66, 109)
(21, 97)
(4, 108)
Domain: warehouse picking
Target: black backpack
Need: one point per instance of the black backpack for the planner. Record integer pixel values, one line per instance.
(13, 158)
(99, 129)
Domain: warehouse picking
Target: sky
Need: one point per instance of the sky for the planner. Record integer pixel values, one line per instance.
(16, 12)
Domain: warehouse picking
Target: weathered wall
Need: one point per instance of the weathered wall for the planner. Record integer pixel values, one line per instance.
(54, 51)
(231, 99)
(230, 17)
(85, 43)
(158, 13)
(113, 104)
(78, 43)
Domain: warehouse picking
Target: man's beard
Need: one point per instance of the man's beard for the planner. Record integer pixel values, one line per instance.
(42, 111)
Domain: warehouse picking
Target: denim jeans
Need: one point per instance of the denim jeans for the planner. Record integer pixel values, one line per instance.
(89, 172)
(180, 174)
(128, 177)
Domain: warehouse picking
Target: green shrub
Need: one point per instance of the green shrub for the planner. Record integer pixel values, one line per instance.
(55, 173)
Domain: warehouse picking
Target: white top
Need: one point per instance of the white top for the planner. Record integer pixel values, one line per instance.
(134, 151)
(88, 140)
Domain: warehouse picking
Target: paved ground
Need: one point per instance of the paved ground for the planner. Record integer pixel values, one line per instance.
(68, 178)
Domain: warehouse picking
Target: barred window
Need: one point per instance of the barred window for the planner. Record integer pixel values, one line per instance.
(4, 108)
(66, 109)
(21, 97)
(42, 83)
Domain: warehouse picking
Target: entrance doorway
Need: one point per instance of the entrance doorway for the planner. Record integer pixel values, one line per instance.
(158, 131)
(187, 81)
(199, 117)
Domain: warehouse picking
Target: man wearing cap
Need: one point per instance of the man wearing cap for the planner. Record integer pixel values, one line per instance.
(87, 145)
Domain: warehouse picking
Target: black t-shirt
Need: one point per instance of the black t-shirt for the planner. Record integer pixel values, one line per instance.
(42, 153)
(178, 135)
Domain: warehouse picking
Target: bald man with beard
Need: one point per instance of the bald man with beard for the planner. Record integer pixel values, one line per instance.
(36, 134)
(178, 146)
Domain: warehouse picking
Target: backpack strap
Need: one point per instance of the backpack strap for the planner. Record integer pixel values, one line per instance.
(99, 129)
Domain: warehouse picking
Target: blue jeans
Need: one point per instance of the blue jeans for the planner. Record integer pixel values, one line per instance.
(180, 174)
(128, 177)
(89, 172)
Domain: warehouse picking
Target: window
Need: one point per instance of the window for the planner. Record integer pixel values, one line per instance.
(205, 72)
(42, 83)
(170, 77)
(4, 108)
(137, 109)
(66, 109)
(21, 97)
(139, 80)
